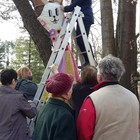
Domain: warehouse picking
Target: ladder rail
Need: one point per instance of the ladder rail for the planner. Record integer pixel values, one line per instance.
(68, 35)
(47, 73)
(58, 51)
(53, 56)
(86, 43)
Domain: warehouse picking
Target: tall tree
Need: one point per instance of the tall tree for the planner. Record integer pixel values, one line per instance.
(108, 43)
(5, 51)
(125, 46)
(2, 55)
(126, 41)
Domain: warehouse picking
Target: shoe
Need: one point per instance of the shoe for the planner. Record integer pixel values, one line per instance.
(82, 66)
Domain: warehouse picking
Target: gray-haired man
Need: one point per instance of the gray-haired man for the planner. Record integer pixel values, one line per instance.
(112, 111)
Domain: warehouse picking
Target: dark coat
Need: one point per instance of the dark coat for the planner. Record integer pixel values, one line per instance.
(79, 93)
(88, 20)
(85, 8)
(27, 87)
(14, 109)
(55, 121)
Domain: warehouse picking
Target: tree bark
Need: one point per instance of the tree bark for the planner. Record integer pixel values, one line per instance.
(126, 42)
(39, 35)
(107, 27)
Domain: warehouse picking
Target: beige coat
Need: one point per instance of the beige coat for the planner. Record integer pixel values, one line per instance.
(117, 114)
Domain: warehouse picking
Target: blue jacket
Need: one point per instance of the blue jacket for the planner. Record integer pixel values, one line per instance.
(85, 8)
(27, 87)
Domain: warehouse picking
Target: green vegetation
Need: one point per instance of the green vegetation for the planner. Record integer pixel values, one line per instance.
(20, 53)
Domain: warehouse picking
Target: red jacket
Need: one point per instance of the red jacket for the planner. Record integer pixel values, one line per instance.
(87, 115)
(86, 121)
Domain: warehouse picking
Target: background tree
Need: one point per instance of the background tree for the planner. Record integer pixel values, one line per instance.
(7, 10)
(108, 43)
(125, 45)
(5, 51)
(25, 53)
(95, 31)
(2, 55)
(126, 41)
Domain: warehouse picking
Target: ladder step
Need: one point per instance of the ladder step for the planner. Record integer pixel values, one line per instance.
(77, 36)
(80, 53)
(55, 51)
(88, 51)
(62, 35)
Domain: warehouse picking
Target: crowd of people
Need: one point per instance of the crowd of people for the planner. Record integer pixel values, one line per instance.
(97, 107)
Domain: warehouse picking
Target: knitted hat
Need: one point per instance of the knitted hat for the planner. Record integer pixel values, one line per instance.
(59, 83)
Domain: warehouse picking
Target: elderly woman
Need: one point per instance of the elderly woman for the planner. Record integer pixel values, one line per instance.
(55, 120)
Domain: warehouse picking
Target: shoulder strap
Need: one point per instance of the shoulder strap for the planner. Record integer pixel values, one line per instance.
(19, 83)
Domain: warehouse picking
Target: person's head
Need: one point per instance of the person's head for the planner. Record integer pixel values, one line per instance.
(89, 75)
(60, 85)
(8, 77)
(110, 68)
(24, 72)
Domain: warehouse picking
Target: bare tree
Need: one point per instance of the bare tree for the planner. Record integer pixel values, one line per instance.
(126, 42)
(107, 27)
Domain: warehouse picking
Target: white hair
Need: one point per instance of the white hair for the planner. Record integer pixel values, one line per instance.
(111, 68)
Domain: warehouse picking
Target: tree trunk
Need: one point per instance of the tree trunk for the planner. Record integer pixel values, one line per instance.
(39, 35)
(126, 42)
(107, 27)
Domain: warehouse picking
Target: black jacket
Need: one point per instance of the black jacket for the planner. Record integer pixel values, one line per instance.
(80, 92)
